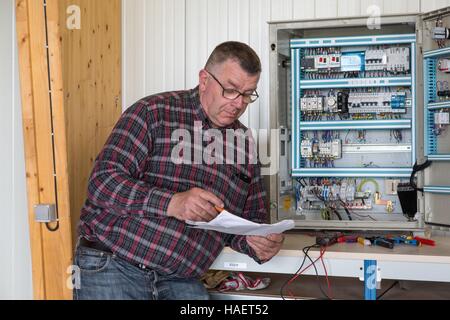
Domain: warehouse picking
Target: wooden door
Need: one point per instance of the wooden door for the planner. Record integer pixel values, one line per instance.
(70, 76)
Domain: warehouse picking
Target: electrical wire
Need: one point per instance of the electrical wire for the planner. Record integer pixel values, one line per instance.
(322, 252)
(315, 192)
(357, 214)
(330, 294)
(364, 216)
(300, 271)
(337, 213)
(364, 181)
(348, 213)
(297, 273)
(386, 291)
(313, 263)
(417, 168)
(52, 229)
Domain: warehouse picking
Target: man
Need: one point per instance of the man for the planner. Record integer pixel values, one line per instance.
(134, 240)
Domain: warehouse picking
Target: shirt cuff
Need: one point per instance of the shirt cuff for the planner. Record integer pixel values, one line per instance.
(241, 245)
(159, 200)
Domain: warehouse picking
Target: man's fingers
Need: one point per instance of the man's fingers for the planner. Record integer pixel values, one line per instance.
(263, 241)
(205, 210)
(198, 214)
(264, 248)
(266, 242)
(276, 237)
(258, 242)
(255, 246)
(263, 252)
(196, 204)
(213, 199)
(207, 206)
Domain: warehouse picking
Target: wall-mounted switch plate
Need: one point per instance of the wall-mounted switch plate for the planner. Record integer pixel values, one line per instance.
(45, 213)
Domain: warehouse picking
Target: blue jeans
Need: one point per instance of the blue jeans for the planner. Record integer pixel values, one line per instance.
(104, 276)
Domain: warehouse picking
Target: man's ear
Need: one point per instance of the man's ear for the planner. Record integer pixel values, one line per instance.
(202, 79)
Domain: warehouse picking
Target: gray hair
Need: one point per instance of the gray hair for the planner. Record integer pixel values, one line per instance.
(237, 51)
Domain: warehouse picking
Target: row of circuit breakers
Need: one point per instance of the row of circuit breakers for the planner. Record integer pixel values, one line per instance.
(329, 63)
(356, 102)
(321, 149)
(393, 60)
(373, 62)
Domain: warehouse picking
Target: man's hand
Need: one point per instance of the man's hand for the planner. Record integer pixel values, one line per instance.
(195, 204)
(266, 247)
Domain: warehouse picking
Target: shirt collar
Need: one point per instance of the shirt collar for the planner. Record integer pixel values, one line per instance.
(199, 112)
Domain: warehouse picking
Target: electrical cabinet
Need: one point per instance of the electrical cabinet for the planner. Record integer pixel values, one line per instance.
(361, 114)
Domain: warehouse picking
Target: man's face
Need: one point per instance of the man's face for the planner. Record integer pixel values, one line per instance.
(222, 111)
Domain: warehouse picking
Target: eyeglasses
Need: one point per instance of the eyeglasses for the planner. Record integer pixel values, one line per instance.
(232, 94)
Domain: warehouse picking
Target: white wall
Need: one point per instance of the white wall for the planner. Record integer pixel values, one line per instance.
(15, 256)
(166, 42)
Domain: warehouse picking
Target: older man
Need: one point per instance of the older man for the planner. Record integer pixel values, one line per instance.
(134, 240)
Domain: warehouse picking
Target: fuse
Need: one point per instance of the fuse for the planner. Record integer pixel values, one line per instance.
(306, 149)
(444, 65)
(321, 62)
(441, 118)
(343, 191)
(336, 149)
(334, 60)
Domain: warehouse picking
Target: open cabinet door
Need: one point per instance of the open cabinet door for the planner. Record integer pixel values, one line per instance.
(70, 75)
(435, 27)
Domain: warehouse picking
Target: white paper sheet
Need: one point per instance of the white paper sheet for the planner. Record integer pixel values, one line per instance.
(229, 223)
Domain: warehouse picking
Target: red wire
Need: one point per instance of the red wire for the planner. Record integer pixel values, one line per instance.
(304, 269)
(330, 294)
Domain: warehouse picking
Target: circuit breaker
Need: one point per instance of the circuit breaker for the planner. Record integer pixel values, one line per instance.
(360, 123)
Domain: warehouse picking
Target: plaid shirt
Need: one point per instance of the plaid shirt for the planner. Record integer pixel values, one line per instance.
(134, 179)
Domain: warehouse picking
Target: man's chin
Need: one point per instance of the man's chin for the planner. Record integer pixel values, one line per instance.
(225, 122)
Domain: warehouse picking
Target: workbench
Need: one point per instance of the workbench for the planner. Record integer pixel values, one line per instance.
(370, 264)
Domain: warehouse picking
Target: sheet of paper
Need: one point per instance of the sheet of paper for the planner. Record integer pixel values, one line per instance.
(229, 223)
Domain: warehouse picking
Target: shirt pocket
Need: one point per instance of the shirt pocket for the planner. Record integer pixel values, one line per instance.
(237, 191)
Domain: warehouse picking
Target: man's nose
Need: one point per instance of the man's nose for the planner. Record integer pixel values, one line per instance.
(239, 102)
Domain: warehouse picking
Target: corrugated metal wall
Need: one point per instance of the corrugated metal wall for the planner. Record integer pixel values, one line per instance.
(166, 42)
